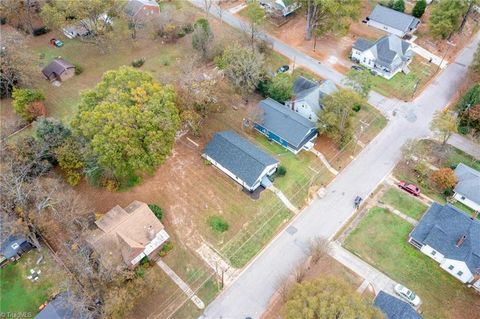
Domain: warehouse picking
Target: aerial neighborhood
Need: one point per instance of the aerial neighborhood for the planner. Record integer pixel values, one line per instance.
(240, 159)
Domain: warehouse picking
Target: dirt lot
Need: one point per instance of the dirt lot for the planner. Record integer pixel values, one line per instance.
(327, 266)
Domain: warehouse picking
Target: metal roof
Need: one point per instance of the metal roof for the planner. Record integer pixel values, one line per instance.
(7, 249)
(441, 227)
(392, 18)
(394, 308)
(238, 156)
(468, 182)
(285, 123)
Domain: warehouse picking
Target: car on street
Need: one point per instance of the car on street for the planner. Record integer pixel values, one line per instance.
(56, 43)
(283, 69)
(357, 67)
(407, 295)
(410, 188)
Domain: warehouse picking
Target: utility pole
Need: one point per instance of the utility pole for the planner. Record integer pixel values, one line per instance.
(465, 17)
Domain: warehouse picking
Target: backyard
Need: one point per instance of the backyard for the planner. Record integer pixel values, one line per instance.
(20, 294)
(381, 240)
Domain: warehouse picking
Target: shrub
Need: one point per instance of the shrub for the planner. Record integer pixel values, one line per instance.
(39, 31)
(37, 109)
(281, 170)
(399, 5)
(187, 28)
(22, 100)
(78, 69)
(444, 178)
(419, 8)
(157, 211)
(167, 246)
(140, 272)
(144, 261)
(356, 107)
(181, 33)
(218, 224)
(138, 62)
(464, 130)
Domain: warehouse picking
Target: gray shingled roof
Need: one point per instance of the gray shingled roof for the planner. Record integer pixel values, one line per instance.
(312, 92)
(239, 156)
(56, 309)
(6, 248)
(362, 44)
(388, 48)
(442, 226)
(393, 19)
(394, 308)
(468, 182)
(303, 86)
(285, 123)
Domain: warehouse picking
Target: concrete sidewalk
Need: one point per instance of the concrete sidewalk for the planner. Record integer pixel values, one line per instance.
(428, 55)
(379, 280)
(465, 144)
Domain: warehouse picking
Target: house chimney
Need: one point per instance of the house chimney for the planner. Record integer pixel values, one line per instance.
(475, 215)
(461, 240)
(293, 103)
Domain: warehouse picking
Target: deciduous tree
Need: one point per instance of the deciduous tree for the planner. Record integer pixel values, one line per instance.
(51, 132)
(330, 16)
(360, 81)
(327, 298)
(335, 120)
(280, 87)
(444, 124)
(23, 100)
(202, 37)
(444, 178)
(399, 5)
(445, 17)
(129, 122)
(20, 13)
(256, 17)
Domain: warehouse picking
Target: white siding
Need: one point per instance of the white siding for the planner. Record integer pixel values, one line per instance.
(303, 108)
(432, 253)
(385, 28)
(470, 203)
(465, 275)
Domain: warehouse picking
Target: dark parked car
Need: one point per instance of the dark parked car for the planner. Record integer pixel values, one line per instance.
(357, 67)
(283, 69)
(410, 188)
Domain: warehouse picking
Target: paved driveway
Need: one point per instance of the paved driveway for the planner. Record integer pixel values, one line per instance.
(250, 293)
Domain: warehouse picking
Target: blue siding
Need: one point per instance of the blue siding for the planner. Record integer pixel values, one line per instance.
(273, 136)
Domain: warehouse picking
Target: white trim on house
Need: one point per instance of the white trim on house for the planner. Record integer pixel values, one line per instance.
(467, 202)
(386, 28)
(156, 242)
(303, 108)
(268, 171)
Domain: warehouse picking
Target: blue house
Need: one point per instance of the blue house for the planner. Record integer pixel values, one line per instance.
(286, 127)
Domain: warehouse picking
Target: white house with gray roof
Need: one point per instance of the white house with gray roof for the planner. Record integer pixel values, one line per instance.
(385, 57)
(285, 127)
(240, 159)
(392, 21)
(467, 190)
(452, 238)
(308, 96)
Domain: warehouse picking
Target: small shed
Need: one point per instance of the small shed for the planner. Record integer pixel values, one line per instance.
(59, 70)
(13, 247)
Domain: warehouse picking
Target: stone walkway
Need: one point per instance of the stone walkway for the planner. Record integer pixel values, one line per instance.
(221, 267)
(182, 284)
(284, 199)
(324, 161)
(379, 280)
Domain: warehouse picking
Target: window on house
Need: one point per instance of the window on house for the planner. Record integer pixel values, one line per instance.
(463, 197)
(434, 252)
(450, 267)
(460, 273)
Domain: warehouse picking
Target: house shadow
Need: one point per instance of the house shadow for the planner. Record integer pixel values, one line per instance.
(255, 194)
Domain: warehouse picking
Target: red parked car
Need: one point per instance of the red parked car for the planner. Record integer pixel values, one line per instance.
(412, 189)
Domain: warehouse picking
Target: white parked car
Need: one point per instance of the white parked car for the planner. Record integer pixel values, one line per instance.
(407, 295)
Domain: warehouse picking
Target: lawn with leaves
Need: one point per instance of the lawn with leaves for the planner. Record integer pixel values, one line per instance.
(404, 202)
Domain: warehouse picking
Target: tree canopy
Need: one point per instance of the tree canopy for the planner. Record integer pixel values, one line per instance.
(445, 17)
(419, 8)
(280, 87)
(129, 121)
(444, 124)
(327, 298)
(202, 36)
(399, 5)
(335, 120)
(360, 81)
(26, 102)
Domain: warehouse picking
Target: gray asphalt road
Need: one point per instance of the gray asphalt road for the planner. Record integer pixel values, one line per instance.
(250, 293)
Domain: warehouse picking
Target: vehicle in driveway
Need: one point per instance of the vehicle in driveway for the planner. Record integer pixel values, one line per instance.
(409, 188)
(357, 67)
(56, 43)
(407, 295)
(283, 69)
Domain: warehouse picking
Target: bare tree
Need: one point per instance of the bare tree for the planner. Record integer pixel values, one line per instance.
(300, 271)
(20, 13)
(207, 5)
(284, 285)
(319, 248)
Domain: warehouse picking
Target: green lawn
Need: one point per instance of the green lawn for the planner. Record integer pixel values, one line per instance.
(381, 240)
(18, 293)
(403, 85)
(304, 170)
(404, 202)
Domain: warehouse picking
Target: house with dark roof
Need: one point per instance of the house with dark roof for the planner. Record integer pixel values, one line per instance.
(452, 238)
(308, 96)
(13, 247)
(57, 308)
(385, 57)
(467, 190)
(240, 159)
(59, 70)
(392, 21)
(284, 126)
(394, 308)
